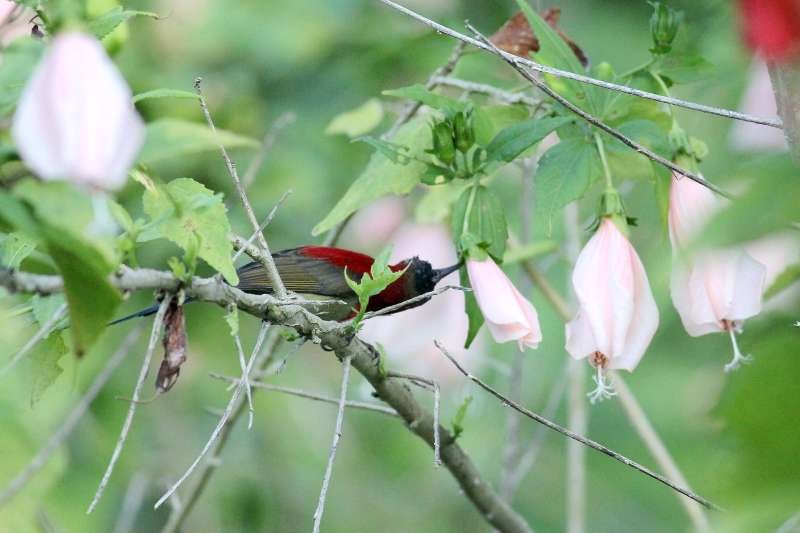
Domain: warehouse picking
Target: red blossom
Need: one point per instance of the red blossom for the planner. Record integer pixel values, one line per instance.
(772, 27)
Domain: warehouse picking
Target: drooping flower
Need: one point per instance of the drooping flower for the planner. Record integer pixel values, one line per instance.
(75, 120)
(772, 27)
(617, 317)
(713, 290)
(509, 315)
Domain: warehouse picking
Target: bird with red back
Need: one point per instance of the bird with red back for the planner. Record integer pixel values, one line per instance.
(317, 273)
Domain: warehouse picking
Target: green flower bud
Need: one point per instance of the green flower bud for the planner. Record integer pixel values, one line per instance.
(663, 26)
(443, 146)
(464, 132)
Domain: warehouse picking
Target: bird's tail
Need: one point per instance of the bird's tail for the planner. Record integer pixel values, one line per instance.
(153, 309)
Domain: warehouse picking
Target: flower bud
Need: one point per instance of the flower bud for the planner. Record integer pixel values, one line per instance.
(664, 25)
(464, 132)
(443, 146)
(75, 120)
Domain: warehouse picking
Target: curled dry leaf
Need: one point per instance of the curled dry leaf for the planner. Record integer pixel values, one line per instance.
(516, 36)
(174, 347)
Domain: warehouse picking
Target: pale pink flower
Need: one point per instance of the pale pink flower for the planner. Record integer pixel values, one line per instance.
(509, 316)
(759, 100)
(75, 120)
(713, 290)
(617, 317)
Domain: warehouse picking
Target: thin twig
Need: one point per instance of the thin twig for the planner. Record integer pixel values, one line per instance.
(572, 435)
(222, 421)
(39, 336)
(75, 416)
(245, 381)
(659, 451)
(727, 113)
(422, 383)
(242, 247)
(334, 445)
(507, 97)
(272, 271)
(408, 112)
(266, 145)
(415, 299)
(158, 322)
(437, 457)
(365, 406)
(528, 459)
(594, 121)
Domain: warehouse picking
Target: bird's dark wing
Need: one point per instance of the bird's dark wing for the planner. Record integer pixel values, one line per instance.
(299, 273)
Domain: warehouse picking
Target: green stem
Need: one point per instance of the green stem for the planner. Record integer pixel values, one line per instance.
(663, 87)
(639, 68)
(470, 203)
(602, 151)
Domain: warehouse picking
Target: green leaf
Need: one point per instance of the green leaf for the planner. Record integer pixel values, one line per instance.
(19, 59)
(436, 205)
(59, 203)
(359, 121)
(396, 153)
(489, 120)
(683, 68)
(164, 93)
(758, 210)
(183, 211)
(103, 25)
(786, 278)
(382, 176)
(512, 141)
(629, 164)
(479, 220)
(44, 364)
(168, 138)
(554, 52)
(461, 413)
(44, 307)
(419, 93)
(121, 216)
(474, 316)
(14, 248)
(564, 173)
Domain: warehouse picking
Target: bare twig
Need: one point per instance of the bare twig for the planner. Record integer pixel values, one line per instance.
(337, 434)
(266, 145)
(242, 246)
(269, 264)
(656, 446)
(38, 337)
(528, 459)
(77, 413)
(437, 439)
(415, 299)
(365, 406)
(572, 435)
(408, 112)
(158, 322)
(222, 421)
(515, 62)
(245, 381)
(727, 113)
(507, 97)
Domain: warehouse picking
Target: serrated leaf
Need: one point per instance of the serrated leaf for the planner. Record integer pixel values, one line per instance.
(164, 93)
(382, 177)
(512, 141)
(19, 59)
(106, 23)
(14, 248)
(359, 121)
(786, 278)
(554, 52)
(461, 413)
(167, 138)
(474, 316)
(564, 173)
(419, 93)
(184, 210)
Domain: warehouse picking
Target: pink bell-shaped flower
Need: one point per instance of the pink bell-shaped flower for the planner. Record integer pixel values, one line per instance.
(509, 315)
(618, 316)
(75, 120)
(713, 290)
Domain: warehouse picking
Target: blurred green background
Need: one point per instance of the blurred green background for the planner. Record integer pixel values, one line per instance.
(736, 437)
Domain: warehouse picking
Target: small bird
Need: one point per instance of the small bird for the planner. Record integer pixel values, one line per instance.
(317, 273)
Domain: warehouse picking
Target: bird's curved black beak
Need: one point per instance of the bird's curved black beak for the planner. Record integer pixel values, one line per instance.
(440, 273)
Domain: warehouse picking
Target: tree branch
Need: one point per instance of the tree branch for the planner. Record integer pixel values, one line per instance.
(507, 97)
(158, 322)
(727, 113)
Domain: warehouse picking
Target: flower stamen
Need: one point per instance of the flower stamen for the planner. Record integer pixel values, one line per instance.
(738, 358)
(604, 389)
